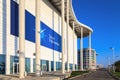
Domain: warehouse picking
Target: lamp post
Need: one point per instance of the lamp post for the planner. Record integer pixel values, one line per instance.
(108, 63)
(113, 67)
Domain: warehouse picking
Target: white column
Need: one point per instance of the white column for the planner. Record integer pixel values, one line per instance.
(73, 49)
(81, 49)
(90, 62)
(54, 66)
(21, 38)
(113, 54)
(62, 26)
(8, 37)
(67, 36)
(49, 66)
(31, 65)
(37, 32)
(108, 63)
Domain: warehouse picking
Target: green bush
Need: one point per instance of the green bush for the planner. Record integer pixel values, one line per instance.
(117, 74)
(75, 73)
(117, 65)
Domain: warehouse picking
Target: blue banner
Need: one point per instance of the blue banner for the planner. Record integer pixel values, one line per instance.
(49, 38)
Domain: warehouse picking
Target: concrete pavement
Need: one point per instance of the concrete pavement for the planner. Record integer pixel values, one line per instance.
(31, 76)
(97, 75)
(15, 77)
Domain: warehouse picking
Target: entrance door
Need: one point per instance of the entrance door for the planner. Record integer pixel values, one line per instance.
(44, 67)
(15, 68)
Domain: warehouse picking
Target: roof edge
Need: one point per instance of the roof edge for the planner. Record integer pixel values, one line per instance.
(81, 24)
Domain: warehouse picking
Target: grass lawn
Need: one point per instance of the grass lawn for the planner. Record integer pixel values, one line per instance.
(117, 74)
(75, 73)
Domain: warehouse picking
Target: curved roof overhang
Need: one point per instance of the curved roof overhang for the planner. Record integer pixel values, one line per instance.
(72, 18)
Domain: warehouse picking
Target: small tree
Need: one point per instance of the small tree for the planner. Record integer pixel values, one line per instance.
(117, 65)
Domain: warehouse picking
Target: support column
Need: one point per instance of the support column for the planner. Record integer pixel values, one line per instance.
(73, 49)
(63, 40)
(67, 36)
(37, 32)
(31, 65)
(7, 67)
(54, 66)
(81, 50)
(90, 51)
(21, 38)
(108, 63)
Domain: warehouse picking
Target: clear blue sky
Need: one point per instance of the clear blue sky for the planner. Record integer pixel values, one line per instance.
(103, 16)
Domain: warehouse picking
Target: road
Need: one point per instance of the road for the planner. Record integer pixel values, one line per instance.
(97, 75)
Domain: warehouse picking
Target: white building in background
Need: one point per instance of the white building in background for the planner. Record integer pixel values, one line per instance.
(89, 59)
(99, 66)
(57, 33)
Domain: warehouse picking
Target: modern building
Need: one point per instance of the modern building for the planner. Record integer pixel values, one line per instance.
(100, 66)
(89, 59)
(42, 33)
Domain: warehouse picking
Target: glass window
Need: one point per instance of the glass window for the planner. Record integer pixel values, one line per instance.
(76, 67)
(2, 64)
(58, 66)
(52, 65)
(11, 64)
(71, 66)
(66, 66)
(34, 65)
(27, 65)
(44, 65)
(13, 59)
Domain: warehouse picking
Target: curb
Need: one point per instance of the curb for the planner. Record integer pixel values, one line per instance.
(79, 76)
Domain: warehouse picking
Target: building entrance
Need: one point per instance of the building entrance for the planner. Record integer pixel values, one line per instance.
(44, 67)
(15, 68)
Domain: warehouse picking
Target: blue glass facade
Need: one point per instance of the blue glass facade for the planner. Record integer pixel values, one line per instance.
(78, 59)
(44, 65)
(11, 64)
(2, 64)
(34, 65)
(58, 66)
(52, 65)
(27, 65)
(15, 59)
(71, 66)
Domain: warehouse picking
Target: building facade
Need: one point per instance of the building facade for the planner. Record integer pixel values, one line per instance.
(89, 60)
(52, 27)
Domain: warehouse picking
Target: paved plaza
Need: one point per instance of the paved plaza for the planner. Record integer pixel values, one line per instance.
(31, 76)
(97, 75)
(2, 77)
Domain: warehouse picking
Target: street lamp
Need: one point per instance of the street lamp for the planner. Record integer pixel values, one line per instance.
(111, 48)
(108, 63)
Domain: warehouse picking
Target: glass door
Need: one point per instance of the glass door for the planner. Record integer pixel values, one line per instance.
(15, 68)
